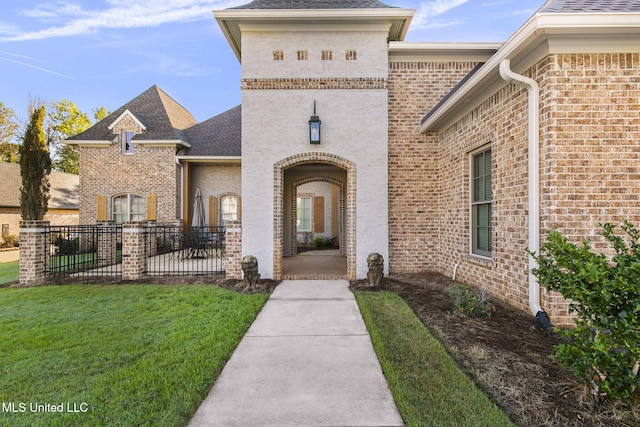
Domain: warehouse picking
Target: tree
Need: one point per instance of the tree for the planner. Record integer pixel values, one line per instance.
(65, 120)
(35, 165)
(8, 129)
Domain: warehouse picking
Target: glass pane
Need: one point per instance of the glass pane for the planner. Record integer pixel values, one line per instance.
(229, 208)
(477, 166)
(304, 213)
(137, 206)
(483, 239)
(487, 173)
(478, 189)
(482, 218)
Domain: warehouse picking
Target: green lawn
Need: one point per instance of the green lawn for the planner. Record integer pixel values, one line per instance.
(140, 355)
(9, 272)
(428, 387)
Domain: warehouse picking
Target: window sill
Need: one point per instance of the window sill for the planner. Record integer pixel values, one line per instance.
(480, 260)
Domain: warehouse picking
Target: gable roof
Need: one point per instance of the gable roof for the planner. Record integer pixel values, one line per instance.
(220, 136)
(64, 191)
(164, 119)
(313, 4)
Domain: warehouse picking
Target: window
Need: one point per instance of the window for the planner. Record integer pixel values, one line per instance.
(228, 209)
(128, 207)
(303, 219)
(481, 196)
(127, 145)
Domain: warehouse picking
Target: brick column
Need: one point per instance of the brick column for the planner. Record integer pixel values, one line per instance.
(233, 250)
(133, 250)
(34, 251)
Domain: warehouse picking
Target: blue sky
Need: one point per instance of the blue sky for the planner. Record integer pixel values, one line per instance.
(106, 52)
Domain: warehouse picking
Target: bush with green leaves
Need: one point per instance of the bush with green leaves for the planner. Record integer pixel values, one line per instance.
(604, 293)
(468, 302)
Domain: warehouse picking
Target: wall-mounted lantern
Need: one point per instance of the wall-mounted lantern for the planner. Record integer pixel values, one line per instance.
(314, 127)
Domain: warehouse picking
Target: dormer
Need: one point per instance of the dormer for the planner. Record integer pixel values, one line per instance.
(125, 127)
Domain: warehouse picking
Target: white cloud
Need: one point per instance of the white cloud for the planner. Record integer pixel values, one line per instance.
(68, 18)
(430, 9)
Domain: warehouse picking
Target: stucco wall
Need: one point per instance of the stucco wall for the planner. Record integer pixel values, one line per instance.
(216, 179)
(354, 122)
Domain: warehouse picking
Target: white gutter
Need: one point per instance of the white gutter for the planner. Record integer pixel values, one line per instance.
(534, 175)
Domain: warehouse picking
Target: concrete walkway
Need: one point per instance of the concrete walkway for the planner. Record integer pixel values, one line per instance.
(307, 360)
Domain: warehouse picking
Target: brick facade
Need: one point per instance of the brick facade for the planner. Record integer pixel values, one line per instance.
(589, 170)
(150, 170)
(414, 162)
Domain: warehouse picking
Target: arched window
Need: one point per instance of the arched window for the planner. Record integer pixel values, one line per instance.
(229, 208)
(128, 207)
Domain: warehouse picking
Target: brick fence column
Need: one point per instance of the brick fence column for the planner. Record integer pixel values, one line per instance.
(233, 250)
(34, 251)
(133, 250)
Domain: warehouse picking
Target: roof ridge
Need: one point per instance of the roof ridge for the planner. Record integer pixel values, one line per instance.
(314, 4)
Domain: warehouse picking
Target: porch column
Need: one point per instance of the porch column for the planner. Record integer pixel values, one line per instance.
(233, 250)
(34, 254)
(133, 250)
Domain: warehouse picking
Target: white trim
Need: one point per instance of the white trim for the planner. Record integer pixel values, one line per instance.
(441, 51)
(162, 143)
(124, 114)
(87, 143)
(210, 159)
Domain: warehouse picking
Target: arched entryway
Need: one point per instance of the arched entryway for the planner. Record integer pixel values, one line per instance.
(295, 171)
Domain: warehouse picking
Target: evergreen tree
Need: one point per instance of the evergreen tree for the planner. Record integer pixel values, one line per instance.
(35, 165)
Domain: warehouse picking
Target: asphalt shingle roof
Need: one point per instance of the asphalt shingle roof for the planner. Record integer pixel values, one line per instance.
(586, 6)
(166, 120)
(218, 136)
(64, 191)
(163, 117)
(313, 4)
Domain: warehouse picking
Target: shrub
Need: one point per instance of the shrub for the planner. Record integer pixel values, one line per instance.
(468, 302)
(604, 348)
(10, 241)
(318, 242)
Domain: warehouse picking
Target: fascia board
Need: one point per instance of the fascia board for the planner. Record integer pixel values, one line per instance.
(122, 116)
(447, 51)
(532, 39)
(210, 159)
(87, 143)
(159, 143)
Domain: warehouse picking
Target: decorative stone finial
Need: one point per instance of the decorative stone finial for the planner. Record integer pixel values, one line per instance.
(375, 262)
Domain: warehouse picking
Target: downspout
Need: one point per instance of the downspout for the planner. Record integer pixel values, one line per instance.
(534, 184)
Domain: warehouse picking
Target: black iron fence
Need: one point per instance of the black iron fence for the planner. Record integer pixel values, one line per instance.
(84, 250)
(181, 250)
(96, 250)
